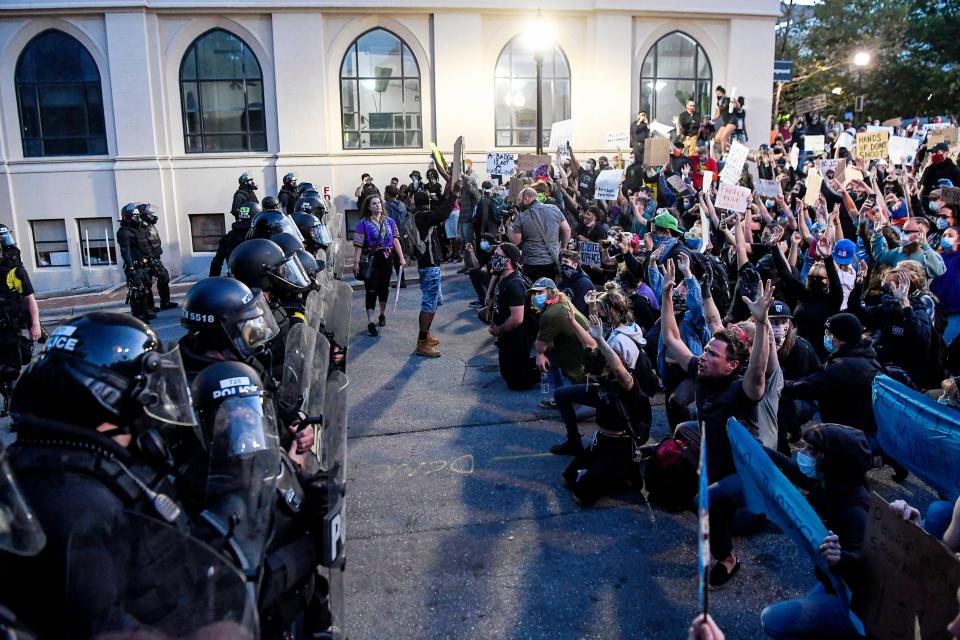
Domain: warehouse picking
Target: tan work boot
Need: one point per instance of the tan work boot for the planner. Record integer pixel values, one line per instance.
(431, 340)
(424, 349)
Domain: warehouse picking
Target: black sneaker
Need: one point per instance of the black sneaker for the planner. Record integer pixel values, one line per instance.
(567, 448)
(372, 329)
(720, 576)
(382, 321)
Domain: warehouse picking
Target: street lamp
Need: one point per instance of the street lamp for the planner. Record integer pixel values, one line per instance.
(540, 38)
(860, 60)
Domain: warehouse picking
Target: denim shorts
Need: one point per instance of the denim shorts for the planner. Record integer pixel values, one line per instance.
(431, 295)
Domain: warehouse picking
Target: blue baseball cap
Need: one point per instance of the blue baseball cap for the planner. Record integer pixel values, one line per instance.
(944, 182)
(844, 252)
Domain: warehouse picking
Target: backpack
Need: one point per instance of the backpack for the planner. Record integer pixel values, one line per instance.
(498, 209)
(671, 476)
(720, 285)
(644, 375)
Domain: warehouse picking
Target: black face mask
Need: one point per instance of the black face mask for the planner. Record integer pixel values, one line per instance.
(498, 263)
(569, 272)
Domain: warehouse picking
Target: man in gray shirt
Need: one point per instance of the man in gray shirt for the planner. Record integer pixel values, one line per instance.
(540, 231)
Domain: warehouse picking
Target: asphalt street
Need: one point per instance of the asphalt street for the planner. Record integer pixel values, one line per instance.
(459, 526)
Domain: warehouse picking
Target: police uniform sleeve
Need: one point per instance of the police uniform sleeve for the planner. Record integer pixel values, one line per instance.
(26, 287)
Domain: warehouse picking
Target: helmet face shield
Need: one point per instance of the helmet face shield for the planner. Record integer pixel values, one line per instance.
(291, 273)
(288, 226)
(166, 396)
(6, 238)
(252, 328)
(247, 423)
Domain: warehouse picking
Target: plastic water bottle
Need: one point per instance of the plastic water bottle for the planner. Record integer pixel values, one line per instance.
(544, 384)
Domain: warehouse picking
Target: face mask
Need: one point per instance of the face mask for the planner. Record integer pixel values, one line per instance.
(589, 166)
(484, 245)
(937, 158)
(659, 240)
(942, 223)
(780, 332)
(934, 206)
(828, 343)
(694, 243)
(568, 272)
(946, 243)
(488, 192)
(498, 263)
(541, 198)
(807, 464)
(540, 300)
(769, 204)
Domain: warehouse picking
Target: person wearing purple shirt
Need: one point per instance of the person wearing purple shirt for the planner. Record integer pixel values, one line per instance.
(376, 236)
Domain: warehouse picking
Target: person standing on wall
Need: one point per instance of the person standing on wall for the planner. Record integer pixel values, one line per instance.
(689, 128)
(154, 249)
(18, 311)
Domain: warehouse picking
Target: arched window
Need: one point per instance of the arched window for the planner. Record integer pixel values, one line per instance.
(515, 113)
(675, 70)
(221, 95)
(59, 96)
(380, 93)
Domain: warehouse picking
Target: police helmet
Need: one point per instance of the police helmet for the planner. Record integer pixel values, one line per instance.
(147, 213)
(314, 232)
(270, 203)
(247, 182)
(305, 186)
(311, 265)
(290, 179)
(248, 211)
(130, 212)
(105, 368)
(234, 410)
(227, 314)
(286, 242)
(310, 204)
(262, 264)
(6, 237)
(268, 223)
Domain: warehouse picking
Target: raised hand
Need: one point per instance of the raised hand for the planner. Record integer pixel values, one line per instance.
(683, 261)
(669, 272)
(861, 271)
(824, 246)
(830, 549)
(759, 307)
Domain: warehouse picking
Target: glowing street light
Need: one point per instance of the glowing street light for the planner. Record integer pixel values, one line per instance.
(861, 59)
(539, 37)
(837, 91)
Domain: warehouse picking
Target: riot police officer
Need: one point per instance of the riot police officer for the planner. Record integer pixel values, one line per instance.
(81, 410)
(246, 192)
(131, 236)
(288, 193)
(232, 239)
(18, 312)
(268, 223)
(270, 204)
(154, 249)
(314, 232)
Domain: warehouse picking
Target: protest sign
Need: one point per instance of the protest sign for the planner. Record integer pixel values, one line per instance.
(832, 168)
(919, 433)
(590, 254)
(707, 180)
(608, 184)
(811, 104)
(656, 151)
(794, 155)
(873, 128)
(617, 139)
(663, 130)
(732, 197)
(910, 579)
(501, 164)
(873, 145)
(844, 141)
(766, 188)
(516, 186)
(456, 169)
(852, 173)
(704, 230)
(532, 162)
(903, 150)
(679, 186)
(766, 490)
(438, 157)
(561, 134)
(893, 122)
(812, 184)
(950, 195)
(734, 163)
(814, 144)
(935, 126)
(754, 172)
(947, 135)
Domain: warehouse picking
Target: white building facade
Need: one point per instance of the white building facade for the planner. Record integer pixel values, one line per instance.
(169, 101)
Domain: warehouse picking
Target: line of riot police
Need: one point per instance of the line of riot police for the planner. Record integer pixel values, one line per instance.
(192, 488)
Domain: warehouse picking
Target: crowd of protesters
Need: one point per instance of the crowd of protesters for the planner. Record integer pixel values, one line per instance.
(779, 316)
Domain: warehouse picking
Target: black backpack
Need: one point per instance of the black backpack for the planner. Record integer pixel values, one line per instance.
(720, 285)
(671, 475)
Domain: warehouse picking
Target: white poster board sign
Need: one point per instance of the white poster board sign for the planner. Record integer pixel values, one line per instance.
(844, 141)
(661, 129)
(875, 127)
(501, 164)
(902, 150)
(732, 197)
(608, 184)
(766, 188)
(707, 180)
(794, 155)
(812, 184)
(814, 144)
(617, 139)
(734, 164)
(561, 134)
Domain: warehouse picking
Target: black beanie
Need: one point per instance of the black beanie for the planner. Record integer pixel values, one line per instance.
(513, 253)
(421, 198)
(846, 327)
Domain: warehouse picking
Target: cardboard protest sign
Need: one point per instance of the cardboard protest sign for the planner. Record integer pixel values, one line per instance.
(919, 433)
(608, 184)
(663, 130)
(532, 162)
(832, 168)
(501, 164)
(590, 254)
(766, 188)
(732, 197)
(893, 122)
(768, 491)
(734, 163)
(950, 195)
(903, 150)
(935, 126)
(814, 144)
(811, 104)
(438, 157)
(873, 145)
(561, 134)
(618, 139)
(679, 186)
(852, 173)
(516, 186)
(946, 135)
(456, 169)
(812, 183)
(910, 579)
(656, 151)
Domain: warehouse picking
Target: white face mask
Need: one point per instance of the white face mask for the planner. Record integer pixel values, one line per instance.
(780, 332)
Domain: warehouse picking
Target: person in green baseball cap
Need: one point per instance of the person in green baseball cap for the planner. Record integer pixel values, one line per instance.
(665, 236)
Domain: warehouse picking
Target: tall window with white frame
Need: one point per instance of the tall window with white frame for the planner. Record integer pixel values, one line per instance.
(221, 95)
(380, 94)
(59, 98)
(676, 69)
(515, 111)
